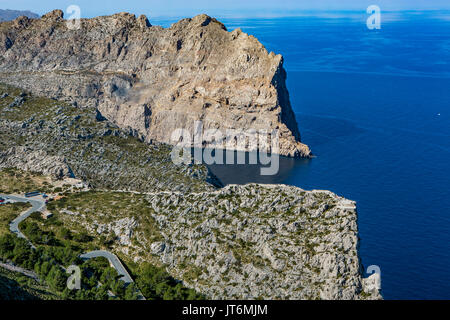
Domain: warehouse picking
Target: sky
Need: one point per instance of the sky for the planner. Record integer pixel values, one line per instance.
(158, 8)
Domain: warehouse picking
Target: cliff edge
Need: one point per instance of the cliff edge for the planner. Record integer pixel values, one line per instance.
(151, 79)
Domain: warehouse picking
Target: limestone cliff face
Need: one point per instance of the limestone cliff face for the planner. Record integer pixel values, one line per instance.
(246, 242)
(150, 79)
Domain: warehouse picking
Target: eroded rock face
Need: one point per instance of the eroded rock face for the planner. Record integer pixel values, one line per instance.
(243, 242)
(35, 161)
(263, 241)
(123, 229)
(151, 79)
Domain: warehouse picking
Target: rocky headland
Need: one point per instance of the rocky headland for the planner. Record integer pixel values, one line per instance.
(151, 79)
(98, 103)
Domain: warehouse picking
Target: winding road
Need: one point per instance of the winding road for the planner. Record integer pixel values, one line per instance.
(113, 260)
(38, 205)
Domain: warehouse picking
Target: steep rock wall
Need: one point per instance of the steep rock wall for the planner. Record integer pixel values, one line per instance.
(154, 80)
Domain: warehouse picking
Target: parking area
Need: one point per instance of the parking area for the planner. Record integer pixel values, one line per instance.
(6, 200)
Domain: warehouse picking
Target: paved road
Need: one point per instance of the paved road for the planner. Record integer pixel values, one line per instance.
(112, 258)
(37, 205)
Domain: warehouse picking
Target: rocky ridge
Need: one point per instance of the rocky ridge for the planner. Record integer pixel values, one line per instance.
(154, 80)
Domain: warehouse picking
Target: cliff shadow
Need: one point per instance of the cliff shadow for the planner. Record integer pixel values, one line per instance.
(251, 173)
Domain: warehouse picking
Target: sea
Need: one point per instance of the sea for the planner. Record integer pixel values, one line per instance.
(374, 107)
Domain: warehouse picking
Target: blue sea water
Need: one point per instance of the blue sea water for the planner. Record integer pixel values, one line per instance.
(374, 106)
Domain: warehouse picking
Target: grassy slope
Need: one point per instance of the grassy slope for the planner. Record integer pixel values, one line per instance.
(9, 212)
(13, 285)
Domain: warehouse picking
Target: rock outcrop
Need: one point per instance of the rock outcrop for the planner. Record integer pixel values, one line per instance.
(263, 241)
(154, 80)
(28, 159)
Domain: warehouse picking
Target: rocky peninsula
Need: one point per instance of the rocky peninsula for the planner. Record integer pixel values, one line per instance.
(97, 104)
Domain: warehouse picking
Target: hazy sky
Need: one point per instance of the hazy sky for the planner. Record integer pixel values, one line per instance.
(155, 8)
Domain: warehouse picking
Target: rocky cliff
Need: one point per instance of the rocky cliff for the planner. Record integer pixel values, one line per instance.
(238, 242)
(150, 79)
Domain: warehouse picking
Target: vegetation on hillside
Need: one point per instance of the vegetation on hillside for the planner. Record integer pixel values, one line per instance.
(16, 286)
(96, 150)
(18, 181)
(8, 212)
(59, 243)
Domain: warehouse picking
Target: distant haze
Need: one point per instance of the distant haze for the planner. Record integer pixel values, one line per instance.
(7, 15)
(153, 8)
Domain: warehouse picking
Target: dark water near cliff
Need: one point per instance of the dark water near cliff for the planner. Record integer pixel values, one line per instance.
(374, 106)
